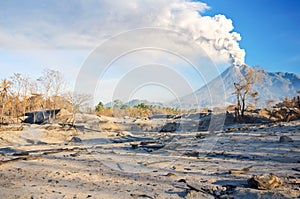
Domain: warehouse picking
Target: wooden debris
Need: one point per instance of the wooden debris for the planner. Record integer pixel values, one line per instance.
(242, 171)
(170, 174)
(191, 187)
(21, 153)
(148, 145)
(140, 196)
(191, 154)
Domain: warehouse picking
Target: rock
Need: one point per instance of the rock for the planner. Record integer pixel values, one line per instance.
(265, 182)
(200, 136)
(75, 140)
(285, 138)
(191, 154)
(40, 117)
(148, 145)
(74, 154)
(124, 133)
(140, 196)
(160, 116)
(170, 127)
(296, 169)
(41, 143)
(134, 146)
(194, 194)
(21, 153)
(7, 150)
(170, 174)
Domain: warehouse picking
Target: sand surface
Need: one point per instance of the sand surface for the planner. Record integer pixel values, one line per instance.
(117, 159)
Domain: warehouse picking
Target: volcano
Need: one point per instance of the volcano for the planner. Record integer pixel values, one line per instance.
(272, 86)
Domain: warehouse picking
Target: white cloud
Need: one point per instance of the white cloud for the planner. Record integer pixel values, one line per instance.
(85, 24)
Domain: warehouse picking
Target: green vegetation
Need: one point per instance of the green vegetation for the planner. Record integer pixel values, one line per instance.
(140, 110)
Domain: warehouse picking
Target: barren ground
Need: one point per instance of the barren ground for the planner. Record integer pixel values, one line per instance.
(111, 161)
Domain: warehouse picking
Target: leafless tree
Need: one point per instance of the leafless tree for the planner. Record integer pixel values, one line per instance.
(46, 80)
(243, 89)
(58, 87)
(4, 92)
(21, 88)
(270, 103)
(79, 102)
(53, 85)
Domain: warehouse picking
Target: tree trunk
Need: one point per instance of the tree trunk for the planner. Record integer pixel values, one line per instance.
(238, 109)
(238, 103)
(2, 112)
(243, 108)
(244, 103)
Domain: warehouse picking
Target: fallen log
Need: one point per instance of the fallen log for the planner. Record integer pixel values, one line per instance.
(242, 171)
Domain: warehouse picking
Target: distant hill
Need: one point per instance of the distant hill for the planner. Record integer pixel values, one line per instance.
(135, 102)
(273, 86)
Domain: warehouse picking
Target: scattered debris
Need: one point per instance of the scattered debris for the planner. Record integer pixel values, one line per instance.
(242, 171)
(170, 127)
(119, 139)
(74, 154)
(75, 140)
(145, 174)
(200, 136)
(7, 150)
(40, 117)
(170, 174)
(296, 169)
(285, 138)
(21, 153)
(124, 133)
(265, 182)
(140, 196)
(195, 190)
(148, 145)
(191, 187)
(191, 154)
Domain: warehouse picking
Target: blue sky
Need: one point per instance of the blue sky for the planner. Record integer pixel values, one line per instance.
(61, 35)
(270, 31)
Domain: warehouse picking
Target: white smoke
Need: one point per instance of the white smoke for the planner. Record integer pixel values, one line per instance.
(85, 24)
(214, 34)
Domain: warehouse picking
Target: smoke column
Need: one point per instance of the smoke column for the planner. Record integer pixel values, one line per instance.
(215, 34)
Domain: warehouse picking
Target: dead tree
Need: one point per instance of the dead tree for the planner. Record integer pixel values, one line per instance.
(4, 92)
(243, 89)
(78, 102)
(21, 91)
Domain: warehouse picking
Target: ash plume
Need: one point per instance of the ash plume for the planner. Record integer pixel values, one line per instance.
(215, 34)
(88, 23)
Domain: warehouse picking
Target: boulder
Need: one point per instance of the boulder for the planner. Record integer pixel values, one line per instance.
(265, 182)
(170, 127)
(40, 117)
(75, 140)
(285, 138)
